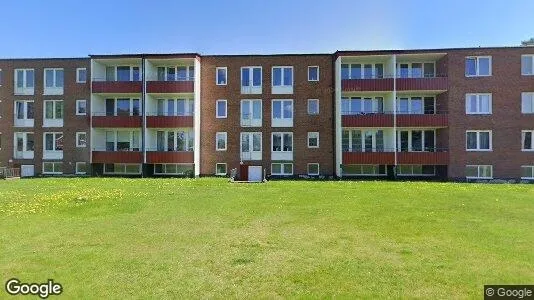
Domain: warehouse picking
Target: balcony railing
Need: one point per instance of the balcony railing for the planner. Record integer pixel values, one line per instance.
(368, 84)
(409, 119)
(169, 87)
(386, 156)
(112, 120)
(166, 120)
(381, 118)
(439, 82)
(101, 155)
(159, 156)
(101, 85)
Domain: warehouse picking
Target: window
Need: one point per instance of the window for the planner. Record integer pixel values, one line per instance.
(52, 168)
(313, 73)
(251, 113)
(357, 71)
(53, 145)
(124, 169)
(1, 77)
(123, 107)
(527, 63)
(123, 73)
(251, 79)
(479, 172)
(364, 170)
(220, 169)
(416, 170)
(220, 109)
(479, 140)
(527, 103)
(176, 73)
(53, 81)
(477, 66)
(175, 140)
(175, 107)
(122, 140)
(81, 168)
(282, 80)
(53, 113)
(24, 145)
(81, 107)
(313, 139)
(527, 143)
(251, 148)
(173, 169)
(24, 81)
(81, 139)
(282, 169)
(313, 106)
(282, 146)
(362, 140)
(478, 104)
(527, 172)
(416, 140)
(359, 105)
(313, 169)
(416, 70)
(416, 105)
(220, 141)
(81, 75)
(24, 113)
(282, 113)
(221, 75)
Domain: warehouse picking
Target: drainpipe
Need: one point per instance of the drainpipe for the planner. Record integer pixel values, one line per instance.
(395, 114)
(143, 110)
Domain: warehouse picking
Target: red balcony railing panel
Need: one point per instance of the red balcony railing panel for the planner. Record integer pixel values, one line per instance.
(420, 120)
(117, 157)
(423, 158)
(370, 120)
(170, 86)
(375, 158)
(117, 121)
(422, 84)
(161, 157)
(169, 121)
(117, 87)
(360, 85)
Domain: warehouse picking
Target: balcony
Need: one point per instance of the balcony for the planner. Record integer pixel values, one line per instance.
(367, 85)
(101, 120)
(162, 157)
(368, 158)
(117, 157)
(422, 84)
(116, 87)
(154, 121)
(170, 87)
(440, 157)
(441, 119)
(372, 119)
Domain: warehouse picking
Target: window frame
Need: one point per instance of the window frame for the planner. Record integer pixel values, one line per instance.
(130, 106)
(217, 109)
(282, 172)
(318, 74)
(251, 122)
(225, 135)
(188, 142)
(25, 121)
(76, 168)
(313, 174)
(54, 121)
(53, 167)
(54, 89)
(78, 133)
(24, 89)
(282, 78)
(478, 101)
(78, 75)
(318, 107)
(478, 149)
(251, 88)
(130, 140)
(252, 154)
(531, 56)
(479, 172)
(225, 169)
(477, 65)
(217, 75)
(531, 100)
(24, 136)
(282, 143)
(131, 77)
(310, 136)
(523, 135)
(531, 167)
(78, 101)
(282, 121)
(122, 173)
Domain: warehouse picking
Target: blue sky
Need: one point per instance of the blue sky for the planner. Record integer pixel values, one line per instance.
(52, 28)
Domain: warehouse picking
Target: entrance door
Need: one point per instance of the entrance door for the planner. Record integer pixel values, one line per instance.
(255, 173)
(27, 171)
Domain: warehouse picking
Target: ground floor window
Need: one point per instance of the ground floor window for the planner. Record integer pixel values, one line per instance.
(122, 169)
(220, 169)
(172, 169)
(282, 169)
(313, 169)
(416, 170)
(527, 172)
(81, 168)
(479, 172)
(52, 168)
(364, 170)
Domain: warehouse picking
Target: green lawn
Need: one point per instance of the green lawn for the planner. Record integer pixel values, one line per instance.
(206, 238)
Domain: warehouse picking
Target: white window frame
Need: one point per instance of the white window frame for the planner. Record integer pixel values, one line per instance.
(225, 168)
(376, 171)
(79, 163)
(25, 89)
(251, 154)
(362, 70)
(78, 70)
(54, 121)
(189, 107)
(54, 89)
(478, 149)
(318, 169)
(188, 134)
(527, 97)
(477, 64)
(116, 140)
(318, 76)
(478, 104)
(189, 76)
(363, 131)
(78, 139)
(410, 69)
(217, 75)
(310, 136)
(284, 87)
(53, 167)
(531, 171)
(131, 100)
(318, 107)
(78, 106)
(25, 153)
(251, 88)
(282, 154)
(131, 79)
(53, 154)
(217, 109)
(350, 103)
(225, 136)
(1, 77)
(282, 173)
(412, 169)
(251, 121)
(282, 121)
(523, 135)
(479, 167)
(124, 166)
(410, 144)
(25, 121)
(531, 57)
(164, 167)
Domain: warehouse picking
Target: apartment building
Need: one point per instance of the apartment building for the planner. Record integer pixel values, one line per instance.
(463, 113)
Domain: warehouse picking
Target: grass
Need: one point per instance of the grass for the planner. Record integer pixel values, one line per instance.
(206, 238)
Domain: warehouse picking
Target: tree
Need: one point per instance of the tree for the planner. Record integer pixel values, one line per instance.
(529, 42)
